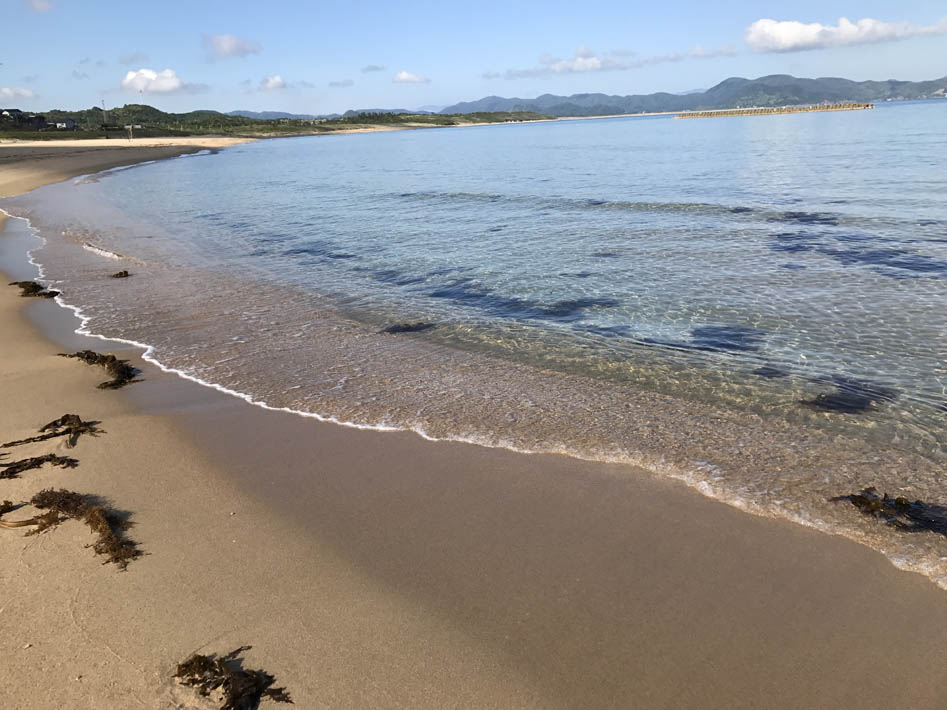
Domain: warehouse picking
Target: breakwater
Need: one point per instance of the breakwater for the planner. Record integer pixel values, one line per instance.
(767, 111)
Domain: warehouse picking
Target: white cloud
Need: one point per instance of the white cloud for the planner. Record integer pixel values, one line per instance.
(790, 36)
(40, 5)
(225, 46)
(162, 82)
(404, 77)
(344, 84)
(272, 83)
(585, 60)
(16, 93)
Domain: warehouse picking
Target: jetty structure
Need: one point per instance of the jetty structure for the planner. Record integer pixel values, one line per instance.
(772, 110)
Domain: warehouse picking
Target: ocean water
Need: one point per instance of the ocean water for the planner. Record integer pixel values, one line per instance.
(757, 306)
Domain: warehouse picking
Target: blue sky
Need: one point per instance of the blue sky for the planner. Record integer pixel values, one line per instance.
(318, 58)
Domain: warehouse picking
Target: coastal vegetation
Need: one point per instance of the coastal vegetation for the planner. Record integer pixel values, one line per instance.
(145, 121)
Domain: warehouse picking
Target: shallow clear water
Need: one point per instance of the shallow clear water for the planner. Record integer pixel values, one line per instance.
(755, 305)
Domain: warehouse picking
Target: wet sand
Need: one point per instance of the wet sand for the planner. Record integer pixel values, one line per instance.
(381, 570)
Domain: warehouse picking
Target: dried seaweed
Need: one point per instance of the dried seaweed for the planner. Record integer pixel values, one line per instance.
(68, 425)
(105, 522)
(31, 289)
(121, 275)
(121, 372)
(243, 689)
(15, 468)
(6, 506)
(900, 512)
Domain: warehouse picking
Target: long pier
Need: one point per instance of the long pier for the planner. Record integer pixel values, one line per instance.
(770, 111)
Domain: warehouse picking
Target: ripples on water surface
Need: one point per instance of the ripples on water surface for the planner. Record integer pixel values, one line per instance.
(754, 305)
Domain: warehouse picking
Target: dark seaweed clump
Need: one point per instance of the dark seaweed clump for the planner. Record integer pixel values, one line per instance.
(243, 688)
(121, 372)
(123, 274)
(851, 396)
(15, 468)
(107, 523)
(407, 328)
(31, 289)
(68, 425)
(900, 512)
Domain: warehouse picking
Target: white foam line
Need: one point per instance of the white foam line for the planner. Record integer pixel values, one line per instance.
(694, 478)
(102, 252)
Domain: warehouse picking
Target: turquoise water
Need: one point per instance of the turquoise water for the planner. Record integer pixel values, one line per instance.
(754, 305)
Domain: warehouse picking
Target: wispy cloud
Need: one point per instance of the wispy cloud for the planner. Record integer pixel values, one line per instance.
(344, 84)
(790, 36)
(40, 5)
(16, 93)
(272, 83)
(586, 60)
(130, 58)
(76, 74)
(226, 46)
(159, 82)
(405, 77)
(368, 68)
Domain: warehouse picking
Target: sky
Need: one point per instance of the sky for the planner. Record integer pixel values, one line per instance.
(305, 56)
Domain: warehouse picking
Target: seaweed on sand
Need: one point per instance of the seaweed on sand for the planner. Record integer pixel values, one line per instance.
(899, 512)
(15, 468)
(107, 523)
(31, 289)
(242, 688)
(68, 425)
(121, 372)
(121, 275)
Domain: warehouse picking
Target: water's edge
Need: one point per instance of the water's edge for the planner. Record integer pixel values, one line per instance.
(696, 477)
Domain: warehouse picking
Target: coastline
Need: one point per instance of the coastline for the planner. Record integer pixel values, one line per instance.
(380, 570)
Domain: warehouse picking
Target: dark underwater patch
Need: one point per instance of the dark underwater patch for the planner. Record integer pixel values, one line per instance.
(770, 372)
(851, 396)
(890, 257)
(395, 277)
(740, 210)
(498, 228)
(805, 218)
(727, 337)
(463, 291)
(576, 274)
(716, 338)
(606, 254)
(407, 328)
(595, 203)
(793, 267)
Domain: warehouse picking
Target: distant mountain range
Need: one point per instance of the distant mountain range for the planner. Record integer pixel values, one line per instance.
(273, 115)
(736, 92)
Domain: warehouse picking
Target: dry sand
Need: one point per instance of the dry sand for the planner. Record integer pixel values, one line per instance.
(378, 570)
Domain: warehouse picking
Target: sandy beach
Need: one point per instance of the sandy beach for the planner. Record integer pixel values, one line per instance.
(381, 570)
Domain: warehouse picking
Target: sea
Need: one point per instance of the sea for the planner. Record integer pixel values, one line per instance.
(756, 306)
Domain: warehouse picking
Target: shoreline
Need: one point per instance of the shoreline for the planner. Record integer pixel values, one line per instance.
(513, 580)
